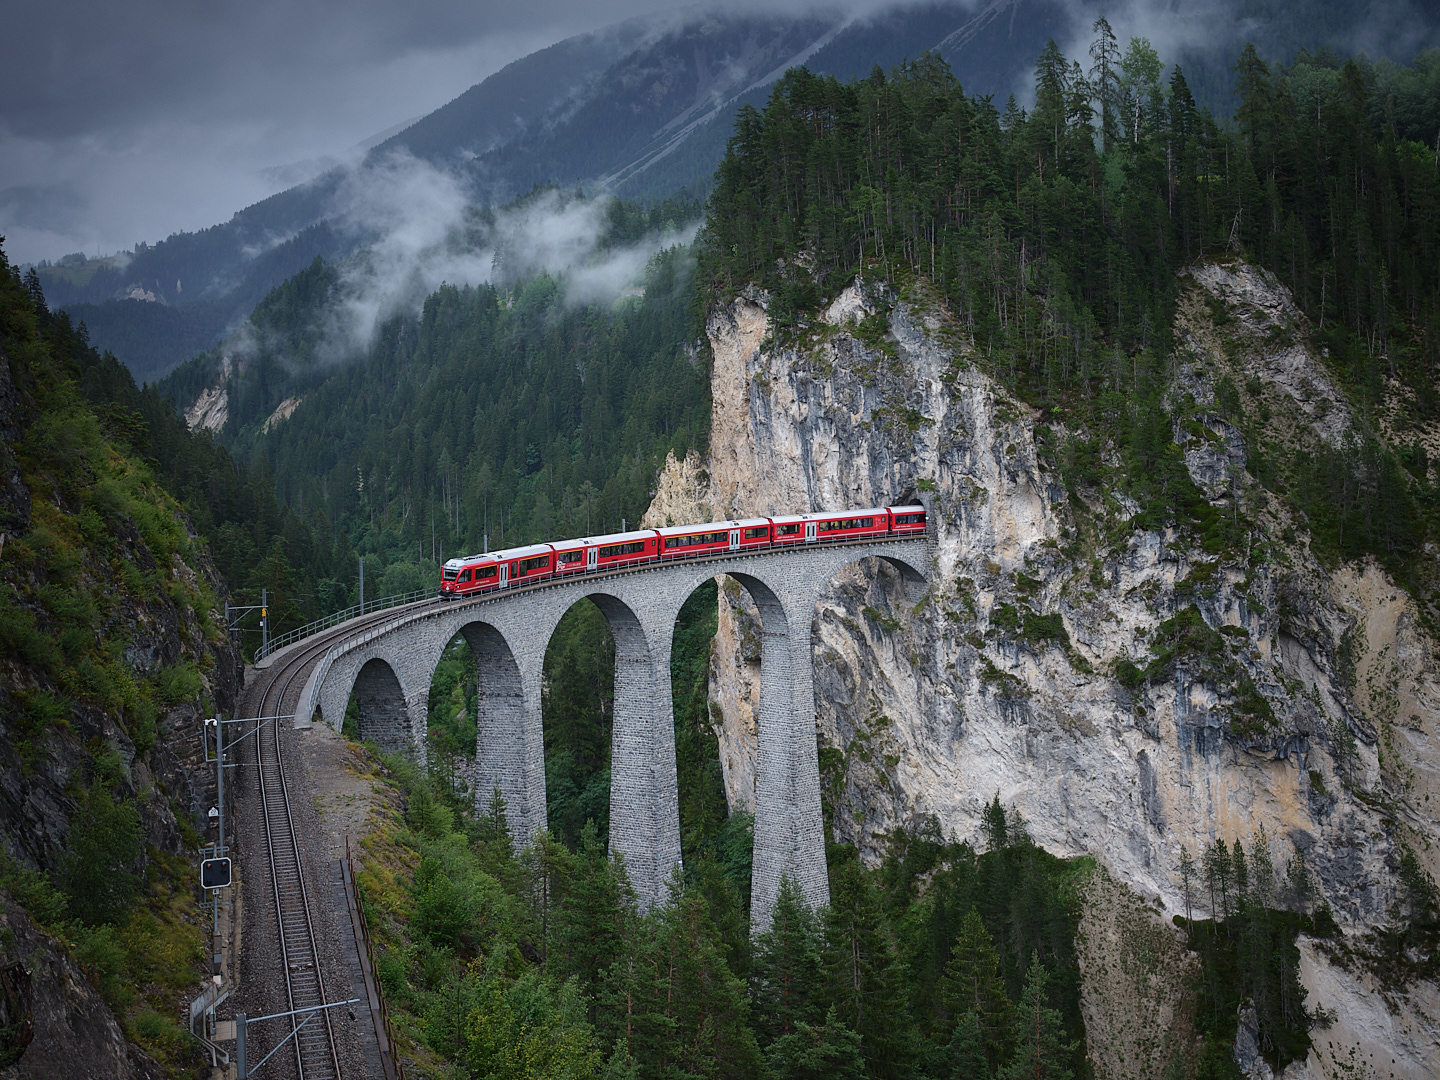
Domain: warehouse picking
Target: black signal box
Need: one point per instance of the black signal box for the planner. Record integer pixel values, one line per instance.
(214, 873)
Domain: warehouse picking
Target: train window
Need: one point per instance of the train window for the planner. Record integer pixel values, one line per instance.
(792, 529)
(465, 574)
(909, 519)
(757, 533)
(484, 572)
(611, 550)
(539, 562)
(568, 557)
(448, 575)
(695, 539)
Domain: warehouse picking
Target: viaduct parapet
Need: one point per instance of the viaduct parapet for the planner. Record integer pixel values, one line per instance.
(389, 668)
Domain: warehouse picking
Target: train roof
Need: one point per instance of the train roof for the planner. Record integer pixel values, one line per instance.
(613, 538)
(523, 552)
(467, 560)
(711, 526)
(826, 515)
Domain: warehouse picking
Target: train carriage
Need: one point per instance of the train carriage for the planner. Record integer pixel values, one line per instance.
(820, 528)
(521, 566)
(692, 541)
(906, 519)
(792, 529)
(624, 549)
(473, 574)
(575, 556)
(852, 524)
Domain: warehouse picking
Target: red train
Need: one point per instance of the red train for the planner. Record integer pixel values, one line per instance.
(591, 555)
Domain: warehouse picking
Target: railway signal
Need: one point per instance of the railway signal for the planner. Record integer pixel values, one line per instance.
(215, 873)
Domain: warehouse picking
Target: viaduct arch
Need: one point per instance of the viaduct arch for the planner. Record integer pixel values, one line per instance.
(389, 668)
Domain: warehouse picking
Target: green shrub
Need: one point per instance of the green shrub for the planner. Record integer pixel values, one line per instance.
(1047, 628)
(178, 684)
(391, 970)
(97, 869)
(1128, 674)
(99, 952)
(442, 911)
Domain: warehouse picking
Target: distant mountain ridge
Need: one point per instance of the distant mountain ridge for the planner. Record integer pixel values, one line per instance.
(643, 108)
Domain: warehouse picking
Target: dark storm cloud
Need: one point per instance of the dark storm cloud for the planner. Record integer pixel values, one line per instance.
(70, 68)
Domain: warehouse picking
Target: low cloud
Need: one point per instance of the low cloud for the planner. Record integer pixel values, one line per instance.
(420, 229)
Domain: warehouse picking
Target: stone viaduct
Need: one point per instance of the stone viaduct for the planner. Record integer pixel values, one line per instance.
(389, 667)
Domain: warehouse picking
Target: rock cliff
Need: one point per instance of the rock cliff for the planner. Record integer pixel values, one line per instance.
(1305, 701)
(114, 656)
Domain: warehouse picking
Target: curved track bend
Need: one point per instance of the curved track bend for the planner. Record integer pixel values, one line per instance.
(274, 694)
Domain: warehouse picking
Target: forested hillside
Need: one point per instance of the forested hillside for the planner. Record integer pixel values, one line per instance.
(509, 412)
(112, 650)
(1054, 237)
(643, 109)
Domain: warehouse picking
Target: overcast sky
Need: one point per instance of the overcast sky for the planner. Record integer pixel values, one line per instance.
(128, 121)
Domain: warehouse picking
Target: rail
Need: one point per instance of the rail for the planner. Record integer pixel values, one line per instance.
(315, 1051)
(275, 644)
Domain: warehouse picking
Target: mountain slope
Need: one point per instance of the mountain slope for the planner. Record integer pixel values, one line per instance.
(644, 108)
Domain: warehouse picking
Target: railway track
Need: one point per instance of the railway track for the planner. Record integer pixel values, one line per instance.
(315, 1052)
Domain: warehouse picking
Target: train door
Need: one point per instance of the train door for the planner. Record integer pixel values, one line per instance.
(734, 539)
(504, 574)
(592, 558)
(809, 532)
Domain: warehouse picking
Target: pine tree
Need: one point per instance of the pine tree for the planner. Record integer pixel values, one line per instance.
(973, 986)
(786, 972)
(598, 914)
(1105, 81)
(1042, 1051)
(828, 1051)
(993, 823)
(1187, 879)
(673, 1002)
(965, 1057)
(863, 972)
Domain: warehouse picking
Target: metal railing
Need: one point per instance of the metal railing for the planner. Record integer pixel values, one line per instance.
(291, 636)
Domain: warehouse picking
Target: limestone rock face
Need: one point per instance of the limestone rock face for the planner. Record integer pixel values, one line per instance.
(1018, 673)
(1372, 1032)
(682, 493)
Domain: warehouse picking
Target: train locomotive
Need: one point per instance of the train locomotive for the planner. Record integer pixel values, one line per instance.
(514, 567)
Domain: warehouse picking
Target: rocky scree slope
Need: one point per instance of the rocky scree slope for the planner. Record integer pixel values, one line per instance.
(1129, 692)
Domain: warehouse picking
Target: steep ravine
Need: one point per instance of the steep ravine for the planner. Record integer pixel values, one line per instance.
(942, 705)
